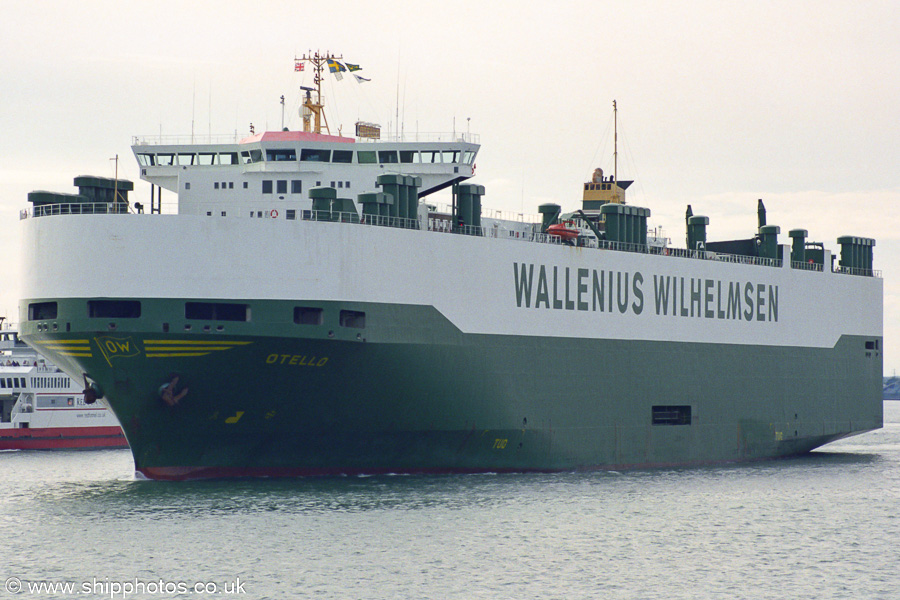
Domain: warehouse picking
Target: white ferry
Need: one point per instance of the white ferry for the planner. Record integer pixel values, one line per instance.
(43, 408)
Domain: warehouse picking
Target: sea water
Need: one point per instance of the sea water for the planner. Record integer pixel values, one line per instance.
(826, 525)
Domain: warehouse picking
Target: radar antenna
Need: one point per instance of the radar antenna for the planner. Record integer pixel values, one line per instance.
(314, 107)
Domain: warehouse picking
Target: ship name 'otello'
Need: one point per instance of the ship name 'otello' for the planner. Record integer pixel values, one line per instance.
(609, 291)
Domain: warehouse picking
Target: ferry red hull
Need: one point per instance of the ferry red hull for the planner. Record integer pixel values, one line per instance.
(53, 438)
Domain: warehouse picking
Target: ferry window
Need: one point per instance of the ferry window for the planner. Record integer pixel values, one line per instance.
(346, 184)
(267, 186)
(290, 214)
(296, 186)
(245, 185)
(451, 156)
(186, 159)
(206, 158)
(216, 311)
(164, 160)
(342, 156)
(187, 185)
(38, 311)
(313, 155)
(281, 186)
(215, 185)
(366, 157)
(406, 156)
(305, 315)
(230, 185)
(228, 158)
(470, 157)
(281, 155)
(387, 156)
(671, 415)
(352, 318)
(146, 160)
(332, 184)
(340, 184)
(114, 309)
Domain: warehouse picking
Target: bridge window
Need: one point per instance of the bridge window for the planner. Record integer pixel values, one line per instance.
(146, 160)
(470, 157)
(281, 155)
(431, 156)
(186, 159)
(165, 160)
(387, 156)
(206, 158)
(228, 158)
(313, 155)
(342, 156)
(451, 156)
(366, 157)
(406, 156)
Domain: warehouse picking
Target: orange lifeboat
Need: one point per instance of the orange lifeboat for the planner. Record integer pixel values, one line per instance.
(566, 231)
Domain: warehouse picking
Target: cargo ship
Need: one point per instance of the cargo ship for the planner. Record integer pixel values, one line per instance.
(42, 408)
(309, 311)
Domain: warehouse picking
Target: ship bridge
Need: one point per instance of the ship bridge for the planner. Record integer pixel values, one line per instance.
(287, 164)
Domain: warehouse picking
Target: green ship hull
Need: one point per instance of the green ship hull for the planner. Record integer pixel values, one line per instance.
(411, 393)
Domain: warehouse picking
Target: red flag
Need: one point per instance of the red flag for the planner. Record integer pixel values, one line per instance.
(298, 66)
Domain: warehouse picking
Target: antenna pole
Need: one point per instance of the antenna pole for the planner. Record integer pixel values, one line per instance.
(318, 61)
(616, 150)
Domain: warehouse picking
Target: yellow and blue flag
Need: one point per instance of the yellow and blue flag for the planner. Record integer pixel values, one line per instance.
(335, 67)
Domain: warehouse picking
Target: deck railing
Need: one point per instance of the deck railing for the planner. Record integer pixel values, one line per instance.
(443, 226)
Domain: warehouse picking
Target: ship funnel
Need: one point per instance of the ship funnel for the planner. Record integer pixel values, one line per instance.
(696, 232)
(798, 245)
(856, 254)
(550, 213)
(687, 224)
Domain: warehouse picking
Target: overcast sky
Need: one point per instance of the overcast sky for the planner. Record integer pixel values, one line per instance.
(720, 103)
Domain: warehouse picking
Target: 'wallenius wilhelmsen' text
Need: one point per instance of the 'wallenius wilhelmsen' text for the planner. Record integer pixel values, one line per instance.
(565, 288)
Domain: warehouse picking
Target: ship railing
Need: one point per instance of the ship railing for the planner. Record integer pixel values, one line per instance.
(233, 138)
(806, 266)
(180, 140)
(353, 217)
(433, 136)
(76, 208)
(686, 253)
(857, 271)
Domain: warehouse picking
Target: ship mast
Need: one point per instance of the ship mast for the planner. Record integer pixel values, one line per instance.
(615, 152)
(315, 106)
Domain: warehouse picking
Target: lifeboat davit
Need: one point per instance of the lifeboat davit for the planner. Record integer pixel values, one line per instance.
(566, 231)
